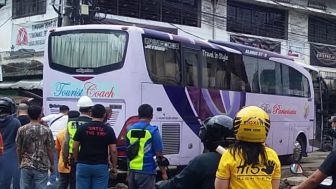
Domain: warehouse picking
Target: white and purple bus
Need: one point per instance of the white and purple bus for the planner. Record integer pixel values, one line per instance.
(183, 79)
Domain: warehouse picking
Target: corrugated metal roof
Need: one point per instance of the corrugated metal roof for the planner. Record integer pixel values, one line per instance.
(24, 84)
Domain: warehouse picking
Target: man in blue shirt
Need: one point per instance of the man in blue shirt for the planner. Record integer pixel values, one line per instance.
(142, 168)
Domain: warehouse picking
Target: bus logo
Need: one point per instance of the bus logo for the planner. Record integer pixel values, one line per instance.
(89, 88)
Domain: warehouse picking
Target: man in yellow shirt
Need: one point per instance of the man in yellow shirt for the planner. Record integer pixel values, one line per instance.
(249, 163)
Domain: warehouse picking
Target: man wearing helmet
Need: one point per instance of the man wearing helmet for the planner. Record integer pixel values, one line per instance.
(84, 104)
(249, 163)
(9, 126)
(200, 172)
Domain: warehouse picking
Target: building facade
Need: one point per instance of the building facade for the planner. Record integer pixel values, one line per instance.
(302, 29)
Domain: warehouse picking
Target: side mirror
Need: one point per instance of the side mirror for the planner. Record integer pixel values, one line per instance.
(296, 168)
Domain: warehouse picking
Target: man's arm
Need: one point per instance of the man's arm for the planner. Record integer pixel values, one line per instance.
(313, 180)
(18, 141)
(221, 184)
(51, 159)
(275, 183)
(75, 150)
(157, 145)
(114, 157)
(50, 147)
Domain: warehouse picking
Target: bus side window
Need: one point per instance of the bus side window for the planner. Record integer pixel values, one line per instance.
(297, 84)
(270, 77)
(251, 67)
(163, 63)
(191, 64)
(238, 76)
(214, 70)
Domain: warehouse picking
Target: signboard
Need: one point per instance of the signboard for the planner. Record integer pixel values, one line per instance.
(295, 51)
(321, 55)
(266, 44)
(32, 35)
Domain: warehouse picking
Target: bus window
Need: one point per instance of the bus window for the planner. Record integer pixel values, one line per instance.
(214, 70)
(87, 52)
(295, 84)
(251, 67)
(163, 61)
(270, 77)
(191, 68)
(238, 78)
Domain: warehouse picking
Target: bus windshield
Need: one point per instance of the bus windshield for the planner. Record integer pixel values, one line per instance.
(87, 51)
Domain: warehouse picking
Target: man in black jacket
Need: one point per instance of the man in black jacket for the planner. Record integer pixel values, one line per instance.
(201, 171)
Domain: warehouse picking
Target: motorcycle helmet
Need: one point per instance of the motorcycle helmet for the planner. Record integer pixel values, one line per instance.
(216, 128)
(7, 106)
(251, 124)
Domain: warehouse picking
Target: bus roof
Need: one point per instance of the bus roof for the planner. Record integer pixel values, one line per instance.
(193, 43)
(307, 66)
(187, 41)
(250, 51)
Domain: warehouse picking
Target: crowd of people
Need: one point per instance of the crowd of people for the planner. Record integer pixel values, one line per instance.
(77, 150)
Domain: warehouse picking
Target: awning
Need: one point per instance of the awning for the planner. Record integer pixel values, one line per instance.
(23, 84)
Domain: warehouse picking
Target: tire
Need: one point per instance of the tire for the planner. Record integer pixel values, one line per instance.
(298, 152)
(299, 149)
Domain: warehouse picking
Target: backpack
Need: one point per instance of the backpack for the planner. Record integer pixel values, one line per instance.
(133, 149)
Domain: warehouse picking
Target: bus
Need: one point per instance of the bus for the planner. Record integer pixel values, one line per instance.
(321, 139)
(185, 80)
(286, 92)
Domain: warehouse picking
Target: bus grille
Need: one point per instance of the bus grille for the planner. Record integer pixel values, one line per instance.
(171, 138)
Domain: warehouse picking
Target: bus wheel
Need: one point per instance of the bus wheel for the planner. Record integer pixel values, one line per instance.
(299, 149)
(298, 152)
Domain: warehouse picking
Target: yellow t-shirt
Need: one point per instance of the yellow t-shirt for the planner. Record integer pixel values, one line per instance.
(247, 176)
(60, 137)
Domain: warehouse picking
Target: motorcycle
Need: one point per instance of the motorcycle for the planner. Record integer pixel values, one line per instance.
(297, 169)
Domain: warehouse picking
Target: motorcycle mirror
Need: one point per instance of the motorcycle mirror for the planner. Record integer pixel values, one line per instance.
(296, 168)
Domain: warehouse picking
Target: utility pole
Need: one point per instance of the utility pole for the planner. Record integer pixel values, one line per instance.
(67, 11)
(214, 8)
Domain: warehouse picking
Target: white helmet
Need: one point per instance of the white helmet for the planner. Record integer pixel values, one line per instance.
(85, 101)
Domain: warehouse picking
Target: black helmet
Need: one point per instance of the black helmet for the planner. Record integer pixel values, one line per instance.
(216, 128)
(7, 105)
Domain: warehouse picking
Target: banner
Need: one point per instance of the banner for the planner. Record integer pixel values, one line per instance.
(266, 44)
(31, 35)
(321, 55)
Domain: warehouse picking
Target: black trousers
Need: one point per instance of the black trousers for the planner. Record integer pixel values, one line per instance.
(64, 181)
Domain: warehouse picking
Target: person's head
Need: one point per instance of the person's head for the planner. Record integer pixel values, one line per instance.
(251, 125)
(64, 109)
(215, 131)
(23, 109)
(35, 112)
(108, 113)
(98, 112)
(73, 114)
(85, 104)
(7, 106)
(332, 120)
(145, 111)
